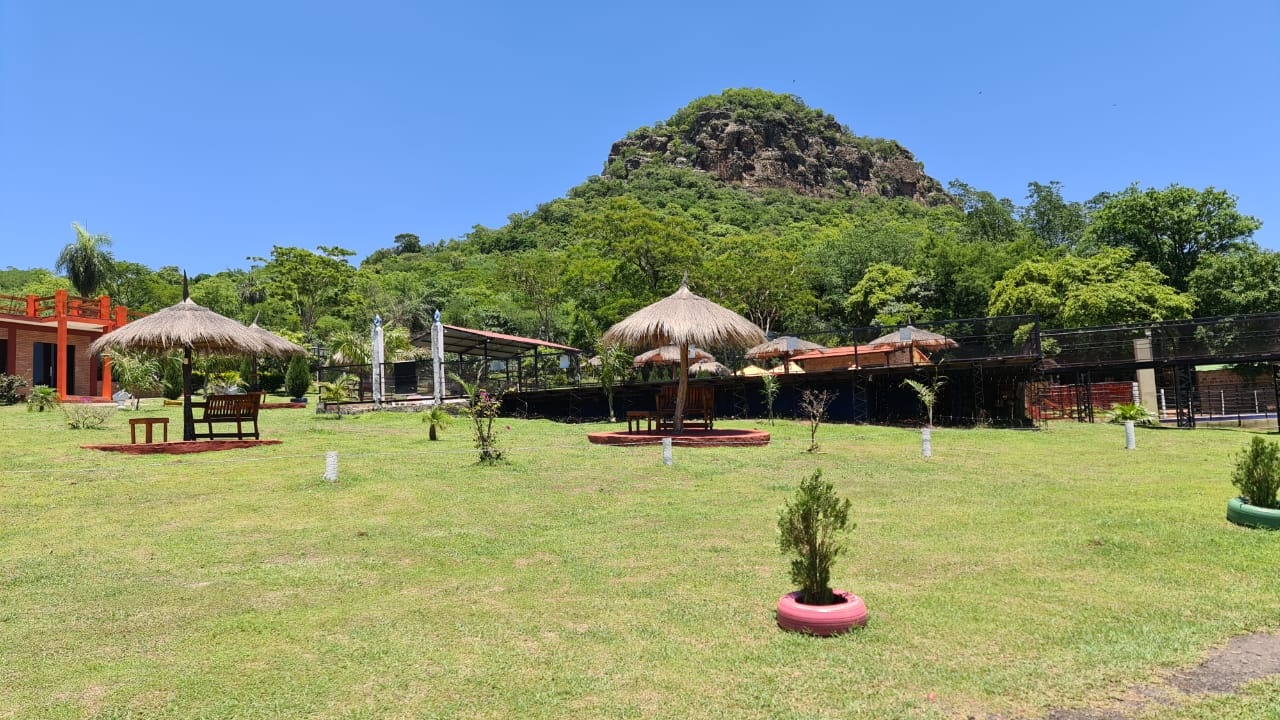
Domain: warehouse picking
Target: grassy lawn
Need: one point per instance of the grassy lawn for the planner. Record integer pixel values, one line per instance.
(1012, 573)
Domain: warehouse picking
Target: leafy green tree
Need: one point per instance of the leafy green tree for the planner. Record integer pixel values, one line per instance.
(311, 283)
(1106, 289)
(87, 262)
(986, 217)
(1172, 228)
(763, 278)
(536, 275)
(408, 243)
(1056, 222)
(1245, 279)
(889, 295)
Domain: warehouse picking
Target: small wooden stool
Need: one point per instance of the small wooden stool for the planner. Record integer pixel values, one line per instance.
(635, 416)
(147, 422)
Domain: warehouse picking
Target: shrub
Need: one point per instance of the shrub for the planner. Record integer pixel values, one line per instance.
(9, 386)
(42, 398)
(297, 379)
(811, 526)
(1257, 473)
(85, 416)
(172, 382)
(270, 380)
(221, 383)
(1124, 412)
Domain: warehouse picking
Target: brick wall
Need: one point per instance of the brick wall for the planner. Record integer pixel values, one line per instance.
(27, 336)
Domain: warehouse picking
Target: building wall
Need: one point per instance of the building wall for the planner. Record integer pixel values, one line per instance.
(22, 340)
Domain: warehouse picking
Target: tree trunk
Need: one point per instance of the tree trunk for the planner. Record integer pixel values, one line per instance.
(431, 432)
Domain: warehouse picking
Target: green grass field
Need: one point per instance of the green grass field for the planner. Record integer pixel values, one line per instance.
(1012, 573)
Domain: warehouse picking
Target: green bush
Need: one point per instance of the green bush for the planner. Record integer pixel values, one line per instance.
(172, 381)
(297, 379)
(1257, 473)
(9, 386)
(270, 380)
(810, 527)
(42, 398)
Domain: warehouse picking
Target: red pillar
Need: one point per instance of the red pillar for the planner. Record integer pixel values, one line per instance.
(60, 312)
(104, 314)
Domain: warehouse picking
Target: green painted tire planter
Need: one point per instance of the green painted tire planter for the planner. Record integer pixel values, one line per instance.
(1242, 513)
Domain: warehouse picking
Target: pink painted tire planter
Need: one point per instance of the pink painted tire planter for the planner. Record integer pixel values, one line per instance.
(822, 620)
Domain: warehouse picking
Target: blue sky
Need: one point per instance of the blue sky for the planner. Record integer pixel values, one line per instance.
(197, 134)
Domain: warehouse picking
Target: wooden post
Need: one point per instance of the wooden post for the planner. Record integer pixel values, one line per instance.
(682, 390)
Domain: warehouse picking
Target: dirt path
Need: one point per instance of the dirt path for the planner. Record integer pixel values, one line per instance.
(1245, 658)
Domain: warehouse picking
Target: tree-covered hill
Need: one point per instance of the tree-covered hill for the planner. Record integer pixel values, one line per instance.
(775, 210)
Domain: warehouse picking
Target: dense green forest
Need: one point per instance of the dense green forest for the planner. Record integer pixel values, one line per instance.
(790, 261)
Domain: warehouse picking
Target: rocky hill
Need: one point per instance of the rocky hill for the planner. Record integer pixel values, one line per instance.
(760, 140)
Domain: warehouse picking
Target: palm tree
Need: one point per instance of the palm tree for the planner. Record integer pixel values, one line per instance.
(86, 262)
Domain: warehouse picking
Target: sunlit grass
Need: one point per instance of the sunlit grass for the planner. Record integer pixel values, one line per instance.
(1012, 572)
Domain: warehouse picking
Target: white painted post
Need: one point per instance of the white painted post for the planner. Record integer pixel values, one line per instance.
(666, 452)
(1130, 440)
(1255, 403)
(331, 466)
(1222, 399)
(1163, 407)
(926, 442)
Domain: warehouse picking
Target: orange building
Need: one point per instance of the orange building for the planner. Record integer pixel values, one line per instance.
(861, 356)
(46, 340)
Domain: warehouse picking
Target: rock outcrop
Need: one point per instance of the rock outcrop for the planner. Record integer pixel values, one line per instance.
(812, 155)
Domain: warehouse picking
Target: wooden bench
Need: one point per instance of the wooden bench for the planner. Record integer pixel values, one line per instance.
(147, 423)
(699, 406)
(220, 409)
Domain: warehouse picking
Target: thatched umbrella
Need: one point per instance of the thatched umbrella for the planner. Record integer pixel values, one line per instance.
(710, 367)
(783, 347)
(670, 355)
(911, 336)
(193, 329)
(684, 319)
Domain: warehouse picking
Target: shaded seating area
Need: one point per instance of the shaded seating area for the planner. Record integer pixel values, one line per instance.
(699, 406)
(224, 410)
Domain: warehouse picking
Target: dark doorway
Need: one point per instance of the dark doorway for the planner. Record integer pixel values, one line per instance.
(44, 369)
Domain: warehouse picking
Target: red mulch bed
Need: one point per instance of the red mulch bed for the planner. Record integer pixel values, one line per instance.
(688, 438)
(180, 447)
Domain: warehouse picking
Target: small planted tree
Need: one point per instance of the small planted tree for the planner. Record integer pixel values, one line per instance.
(811, 527)
(483, 408)
(437, 419)
(136, 374)
(339, 391)
(928, 395)
(614, 363)
(297, 378)
(1257, 474)
(769, 389)
(813, 406)
(1130, 412)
